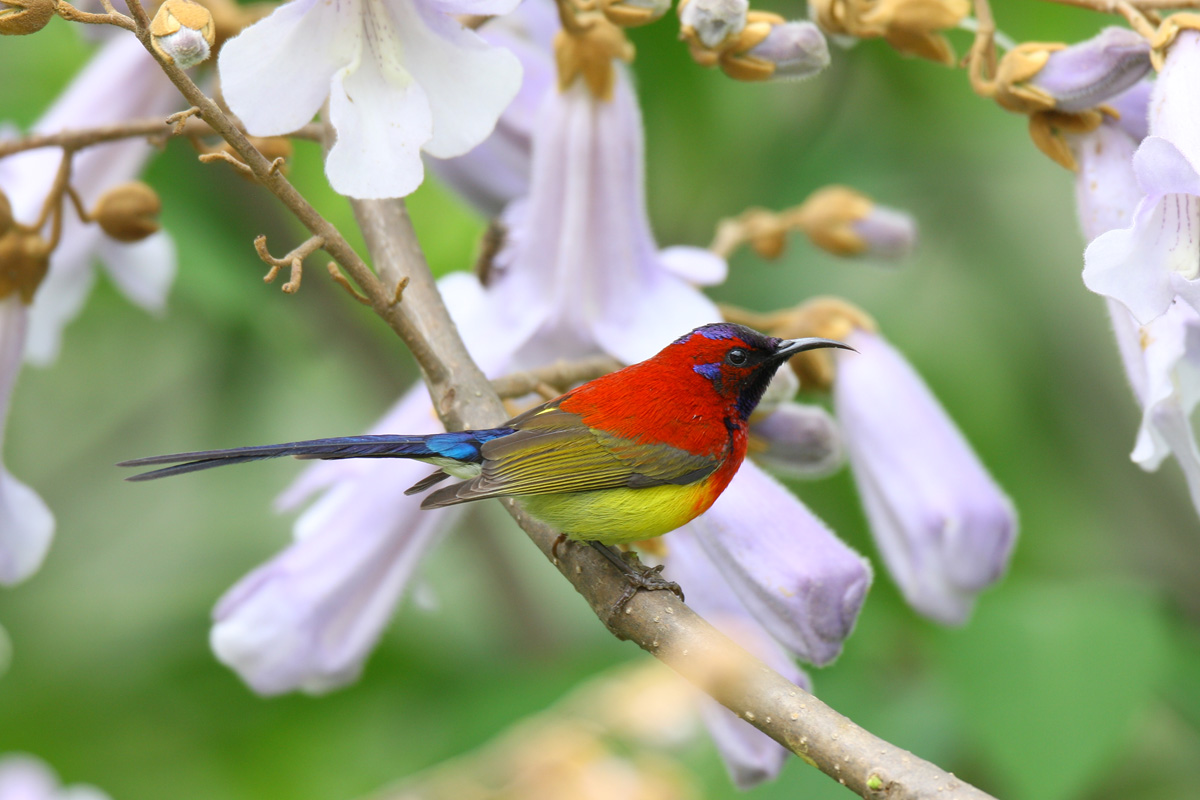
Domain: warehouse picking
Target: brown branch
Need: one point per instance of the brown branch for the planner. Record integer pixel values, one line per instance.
(560, 376)
(151, 128)
(656, 621)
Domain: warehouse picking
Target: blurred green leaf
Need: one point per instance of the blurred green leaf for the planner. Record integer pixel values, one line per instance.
(1050, 678)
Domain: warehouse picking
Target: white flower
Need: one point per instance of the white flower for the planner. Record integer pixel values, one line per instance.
(26, 525)
(1146, 265)
(120, 82)
(401, 76)
(24, 777)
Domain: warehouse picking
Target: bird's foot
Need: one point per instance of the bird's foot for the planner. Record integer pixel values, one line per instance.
(637, 575)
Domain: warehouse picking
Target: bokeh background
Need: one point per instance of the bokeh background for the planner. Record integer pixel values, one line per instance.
(1078, 676)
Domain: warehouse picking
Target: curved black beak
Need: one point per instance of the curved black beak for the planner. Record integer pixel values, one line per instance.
(789, 347)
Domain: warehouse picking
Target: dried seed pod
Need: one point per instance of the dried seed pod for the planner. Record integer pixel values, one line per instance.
(19, 17)
(24, 259)
(128, 212)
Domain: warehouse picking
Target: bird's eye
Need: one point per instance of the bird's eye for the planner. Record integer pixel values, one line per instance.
(737, 356)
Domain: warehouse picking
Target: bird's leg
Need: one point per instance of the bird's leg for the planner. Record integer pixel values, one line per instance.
(637, 574)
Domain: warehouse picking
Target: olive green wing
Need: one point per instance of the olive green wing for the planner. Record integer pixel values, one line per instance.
(553, 451)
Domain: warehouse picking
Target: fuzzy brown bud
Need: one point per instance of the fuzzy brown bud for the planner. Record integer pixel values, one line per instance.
(6, 214)
(24, 259)
(183, 32)
(128, 212)
(19, 17)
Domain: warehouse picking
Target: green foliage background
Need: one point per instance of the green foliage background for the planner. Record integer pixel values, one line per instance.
(1078, 677)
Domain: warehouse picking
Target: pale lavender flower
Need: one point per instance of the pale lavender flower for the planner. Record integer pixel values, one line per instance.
(23, 777)
(1146, 265)
(799, 441)
(749, 754)
(400, 76)
(1091, 72)
(26, 524)
(120, 82)
(802, 583)
(943, 526)
(1162, 357)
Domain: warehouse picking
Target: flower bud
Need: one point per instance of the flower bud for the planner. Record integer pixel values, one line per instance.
(6, 214)
(24, 259)
(183, 32)
(846, 222)
(797, 441)
(19, 17)
(632, 13)
(790, 51)
(128, 212)
(1087, 74)
(712, 23)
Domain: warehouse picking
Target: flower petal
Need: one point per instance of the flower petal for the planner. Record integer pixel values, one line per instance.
(944, 527)
(26, 524)
(467, 81)
(750, 755)
(275, 74)
(798, 580)
(1106, 188)
(696, 265)
(309, 618)
(471, 7)
(797, 440)
(382, 118)
(143, 271)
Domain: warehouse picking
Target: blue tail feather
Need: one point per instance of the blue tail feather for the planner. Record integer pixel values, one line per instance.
(461, 446)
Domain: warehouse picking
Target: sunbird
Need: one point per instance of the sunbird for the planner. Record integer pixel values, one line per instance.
(628, 456)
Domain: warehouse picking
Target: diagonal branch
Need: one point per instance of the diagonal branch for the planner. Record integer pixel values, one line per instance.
(656, 621)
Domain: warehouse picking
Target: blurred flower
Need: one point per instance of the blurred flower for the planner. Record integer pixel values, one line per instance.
(24, 777)
(1144, 266)
(749, 754)
(1162, 357)
(799, 441)
(400, 76)
(120, 82)
(847, 222)
(581, 274)
(26, 524)
(943, 526)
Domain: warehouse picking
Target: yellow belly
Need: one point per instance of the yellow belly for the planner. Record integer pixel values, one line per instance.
(616, 516)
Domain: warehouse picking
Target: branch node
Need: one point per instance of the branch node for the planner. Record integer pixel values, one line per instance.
(179, 119)
(398, 295)
(221, 155)
(276, 165)
(293, 260)
(342, 281)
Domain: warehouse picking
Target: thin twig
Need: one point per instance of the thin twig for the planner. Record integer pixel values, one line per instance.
(152, 127)
(221, 155)
(560, 375)
(294, 260)
(341, 281)
(1111, 6)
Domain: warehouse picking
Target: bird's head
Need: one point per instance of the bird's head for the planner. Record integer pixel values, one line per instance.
(739, 362)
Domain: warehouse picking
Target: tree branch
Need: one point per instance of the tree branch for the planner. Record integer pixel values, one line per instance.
(656, 621)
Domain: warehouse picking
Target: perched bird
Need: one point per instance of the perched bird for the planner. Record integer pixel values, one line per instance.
(628, 456)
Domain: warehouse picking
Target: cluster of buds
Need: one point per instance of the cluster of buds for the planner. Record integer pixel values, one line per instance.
(1062, 88)
(19, 17)
(751, 45)
(912, 27)
(183, 33)
(838, 219)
